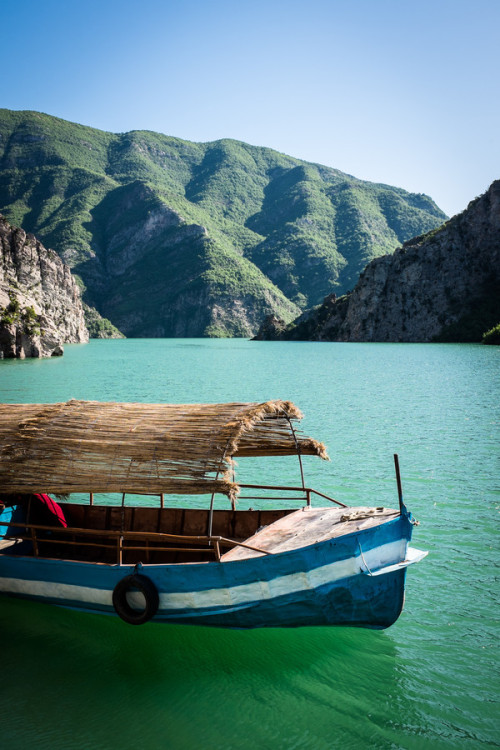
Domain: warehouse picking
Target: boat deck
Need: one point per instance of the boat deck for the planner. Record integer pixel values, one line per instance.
(309, 526)
(108, 534)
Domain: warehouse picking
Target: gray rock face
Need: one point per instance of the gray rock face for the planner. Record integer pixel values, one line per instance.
(425, 288)
(271, 328)
(40, 306)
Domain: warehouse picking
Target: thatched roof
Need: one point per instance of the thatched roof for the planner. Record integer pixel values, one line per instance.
(88, 446)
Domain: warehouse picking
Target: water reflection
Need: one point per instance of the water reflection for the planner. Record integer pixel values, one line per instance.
(173, 686)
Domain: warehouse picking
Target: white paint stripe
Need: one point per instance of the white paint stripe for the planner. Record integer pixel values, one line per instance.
(283, 585)
(226, 597)
(50, 590)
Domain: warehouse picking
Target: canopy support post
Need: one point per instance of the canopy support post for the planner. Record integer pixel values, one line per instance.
(123, 514)
(292, 430)
(211, 517)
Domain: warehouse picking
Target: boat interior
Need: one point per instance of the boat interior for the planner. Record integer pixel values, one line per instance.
(122, 534)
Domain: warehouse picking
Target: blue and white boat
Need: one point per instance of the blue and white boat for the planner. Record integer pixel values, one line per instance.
(122, 549)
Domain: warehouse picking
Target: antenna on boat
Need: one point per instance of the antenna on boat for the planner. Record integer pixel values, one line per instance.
(398, 480)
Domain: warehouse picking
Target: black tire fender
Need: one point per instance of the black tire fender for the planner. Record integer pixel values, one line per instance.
(123, 608)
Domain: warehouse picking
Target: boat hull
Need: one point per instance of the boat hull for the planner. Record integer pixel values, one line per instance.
(357, 579)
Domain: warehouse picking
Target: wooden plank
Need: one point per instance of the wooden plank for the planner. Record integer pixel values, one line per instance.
(309, 526)
(171, 520)
(223, 523)
(270, 516)
(246, 523)
(75, 515)
(195, 521)
(95, 516)
(146, 519)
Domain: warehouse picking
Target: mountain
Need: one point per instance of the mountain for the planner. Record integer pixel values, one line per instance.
(173, 238)
(40, 305)
(443, 286)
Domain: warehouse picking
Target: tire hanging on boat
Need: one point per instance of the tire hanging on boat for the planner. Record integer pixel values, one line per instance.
(122, 607)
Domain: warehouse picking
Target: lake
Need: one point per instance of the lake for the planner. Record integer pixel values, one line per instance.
(72, 680)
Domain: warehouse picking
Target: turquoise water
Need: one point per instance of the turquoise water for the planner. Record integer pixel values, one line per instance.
(71, 680)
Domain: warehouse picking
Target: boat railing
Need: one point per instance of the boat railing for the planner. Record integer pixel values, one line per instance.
(306, 493)
(149, 542)
(303, 494)
(123, 541)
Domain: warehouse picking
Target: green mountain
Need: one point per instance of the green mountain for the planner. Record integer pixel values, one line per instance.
(173, 238)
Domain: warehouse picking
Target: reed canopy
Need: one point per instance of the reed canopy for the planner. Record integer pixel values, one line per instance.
(88, 446)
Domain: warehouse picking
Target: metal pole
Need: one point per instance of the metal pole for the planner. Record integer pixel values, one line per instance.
(211, 511)
(298, 451)
(398, 480)
(211, 517)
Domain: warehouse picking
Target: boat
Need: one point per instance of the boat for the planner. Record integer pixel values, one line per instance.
(115, 508)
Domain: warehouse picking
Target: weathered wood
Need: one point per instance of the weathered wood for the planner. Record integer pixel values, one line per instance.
(235, 543)
(282, 530)
(309, 526)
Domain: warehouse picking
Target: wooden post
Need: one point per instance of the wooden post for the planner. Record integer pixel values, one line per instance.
(91, 498)
(122, 529)
(162, 500)
(34, 540)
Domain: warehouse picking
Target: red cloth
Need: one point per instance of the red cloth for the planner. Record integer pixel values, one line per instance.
(54, 508)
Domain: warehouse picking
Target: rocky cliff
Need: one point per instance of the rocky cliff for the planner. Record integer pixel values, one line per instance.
(442, 286)
(40, 306)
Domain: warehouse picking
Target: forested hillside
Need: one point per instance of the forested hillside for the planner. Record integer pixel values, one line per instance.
(173, 238)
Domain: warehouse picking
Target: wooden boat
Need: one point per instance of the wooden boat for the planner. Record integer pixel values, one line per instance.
(143, 558)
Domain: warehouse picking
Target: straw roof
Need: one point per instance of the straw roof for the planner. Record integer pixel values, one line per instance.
(88, 446)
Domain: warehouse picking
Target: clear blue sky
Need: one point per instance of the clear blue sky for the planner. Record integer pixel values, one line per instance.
(404, 92)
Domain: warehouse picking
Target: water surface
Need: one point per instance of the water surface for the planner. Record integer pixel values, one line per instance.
(72, 680)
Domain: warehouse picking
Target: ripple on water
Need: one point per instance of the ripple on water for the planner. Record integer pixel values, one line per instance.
(81, 681)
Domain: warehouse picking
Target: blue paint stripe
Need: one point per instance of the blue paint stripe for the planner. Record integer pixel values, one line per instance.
(358, 600)
(200, 577)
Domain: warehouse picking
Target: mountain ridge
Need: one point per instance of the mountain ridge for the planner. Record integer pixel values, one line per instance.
(277, 233)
